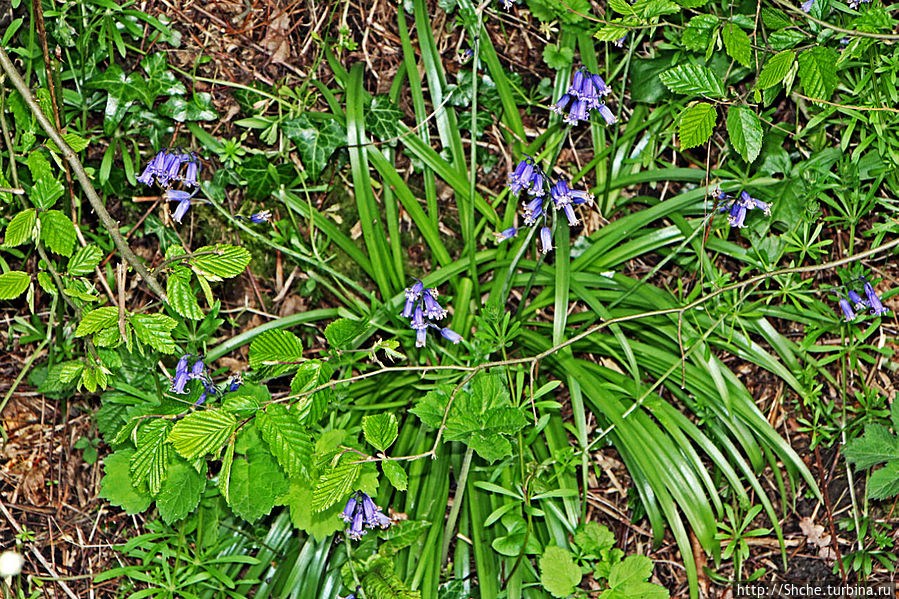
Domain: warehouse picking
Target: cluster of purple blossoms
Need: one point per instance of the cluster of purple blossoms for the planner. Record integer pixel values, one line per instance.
(421, 306)
(184, 373)
(807, 6)
(585, 94)
(361, 513)
(529, 176)
(738, 207)
(856, 303)
(174, 166)
(351, 595)
(259, 217)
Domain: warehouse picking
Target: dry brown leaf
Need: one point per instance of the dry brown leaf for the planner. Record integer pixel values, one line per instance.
(814, 533)
(276, 37)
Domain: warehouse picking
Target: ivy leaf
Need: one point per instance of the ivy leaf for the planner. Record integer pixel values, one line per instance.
(202, 432)
(288, 440)
(160, 80)
(340, 332)
(220, 260)
(116, 485)
(380, 430)
(775, 69)
(697, 121)
(745, 131)
(274, 348)
(181, 297)
(818, 71)
(181, 492)
(557, 57)
(559, 575)
(57, 232)
(151, 459)
(255, 485)
(198, 108)
(693, 79)
(96, 320)
(155, 330)
(84, 261)
(315, 141)
(21, 228)
(736, 43)
(334, 485)
(383, 118)
(395, 474)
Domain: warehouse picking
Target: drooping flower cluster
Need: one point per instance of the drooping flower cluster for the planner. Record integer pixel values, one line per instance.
(173, 166)
(260, 217)
(738, 207)
(855, 303)
(362, 513)
(586, 93)
(184, 373)
(529, 176)
(422, 306)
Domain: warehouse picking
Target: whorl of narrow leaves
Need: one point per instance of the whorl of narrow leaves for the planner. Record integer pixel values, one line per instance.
(693, 79)
(697, 121)
(201, 433)
(288, 440)
(776, 69)
(745, 131)
(220, 260)
(13, 284)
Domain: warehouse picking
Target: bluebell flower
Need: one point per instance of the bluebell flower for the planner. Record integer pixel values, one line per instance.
(408, 307)
(847, 309)
(604, 111)
(506, 234)
(432, 308)
(739, 207)
(414, 292)
(191, 172)
(183, 198)
(619, 43)
(422, 307)
(198, 370)
(526, 175)
(853, 4)
(351, 595)
(564, 198)
(350, 510)
(507, 4)
(165, 169)
(208, 389)
(356, 531)
(546, 240)
(751, 202)
(261, 217)
(235, 383)
(874, 303)
(451, 335)
(857, 302)
(155, 165)
(181, 375)
(807, 6)
(737, 215)
(360, 513)
(465, 55)
(584, 94)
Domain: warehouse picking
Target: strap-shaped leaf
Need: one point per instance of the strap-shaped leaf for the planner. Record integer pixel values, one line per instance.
(288, 440)
(221, 260)
(13, 284)
(201, 433)
(97, 320)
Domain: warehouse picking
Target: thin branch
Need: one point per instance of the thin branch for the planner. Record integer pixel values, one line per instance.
(96, 203)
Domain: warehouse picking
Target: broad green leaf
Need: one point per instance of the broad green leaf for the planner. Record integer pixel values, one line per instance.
(279, 349)
(693, 79)
(651, 9)
(333, 485)
(315, 141)
(697, 121)
(818, 71)
(197, 108)
(97, 320)
(310, 375)
(220, 260)
(202, 432)
(73, 140)
(151, 459)
(116, 486)
(182, 298)
(593, 538)
(877, 445)
(736, 43)
(745, 131)
(256, 483)
(380, 430)
(13, 284)
(628, 580)
(84, 260)
(383, 118)
(340, 332)
(559, 575)
(57, 232)
(557, 57)
(622, 7)
(225, 472)
(180, 493)
(45, 192)
(884, 483)
(698, 32)
(784, 39)
(395, 474)
(21, 228)
(775, 18)
(611, 32)
(775, 69)
(155, 330)
(288, 440)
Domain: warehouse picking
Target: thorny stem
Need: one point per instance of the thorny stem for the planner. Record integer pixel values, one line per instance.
(96, 203)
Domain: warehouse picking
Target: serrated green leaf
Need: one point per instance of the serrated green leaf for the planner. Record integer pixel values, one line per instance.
(84, 261)
(73, 140)
(151, 458)
(225, 472)
(202, 432)
(155, 330)
(13, 284)
(593, 538)
(693, 79)
(45, 192)
(279, 349)
(877, 445)
(622, 7)
(220, 260)
(627, 580)
(395, 474)
(611, 32)
(255, 485)
(46, 282)
(775, 18)
(698, 32)
(69, 371)
(787, 38)
(380, 430)
(736, 43)
(745, 131)
(316, 141)
(650, 9)
(884, 483)
(310, 375)
(340, 332)
(559, 575)
(21, 228)
(182, 298)
(557, 57)
(697, 121)
(288, 440)
(775, 69)
(333, 485)
(818, 71)
(180, 493)
(57, 232)
(116, 485)
(97, 320)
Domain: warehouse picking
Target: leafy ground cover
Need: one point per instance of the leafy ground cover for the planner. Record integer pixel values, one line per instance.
(448, 299)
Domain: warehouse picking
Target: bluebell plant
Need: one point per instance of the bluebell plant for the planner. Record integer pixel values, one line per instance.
(853, 304)
(361, 513)
(170, 167)
(184, 373)
(807, 6)
(422, 307)
(586, 93)
(263, 216)
(738, 207)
